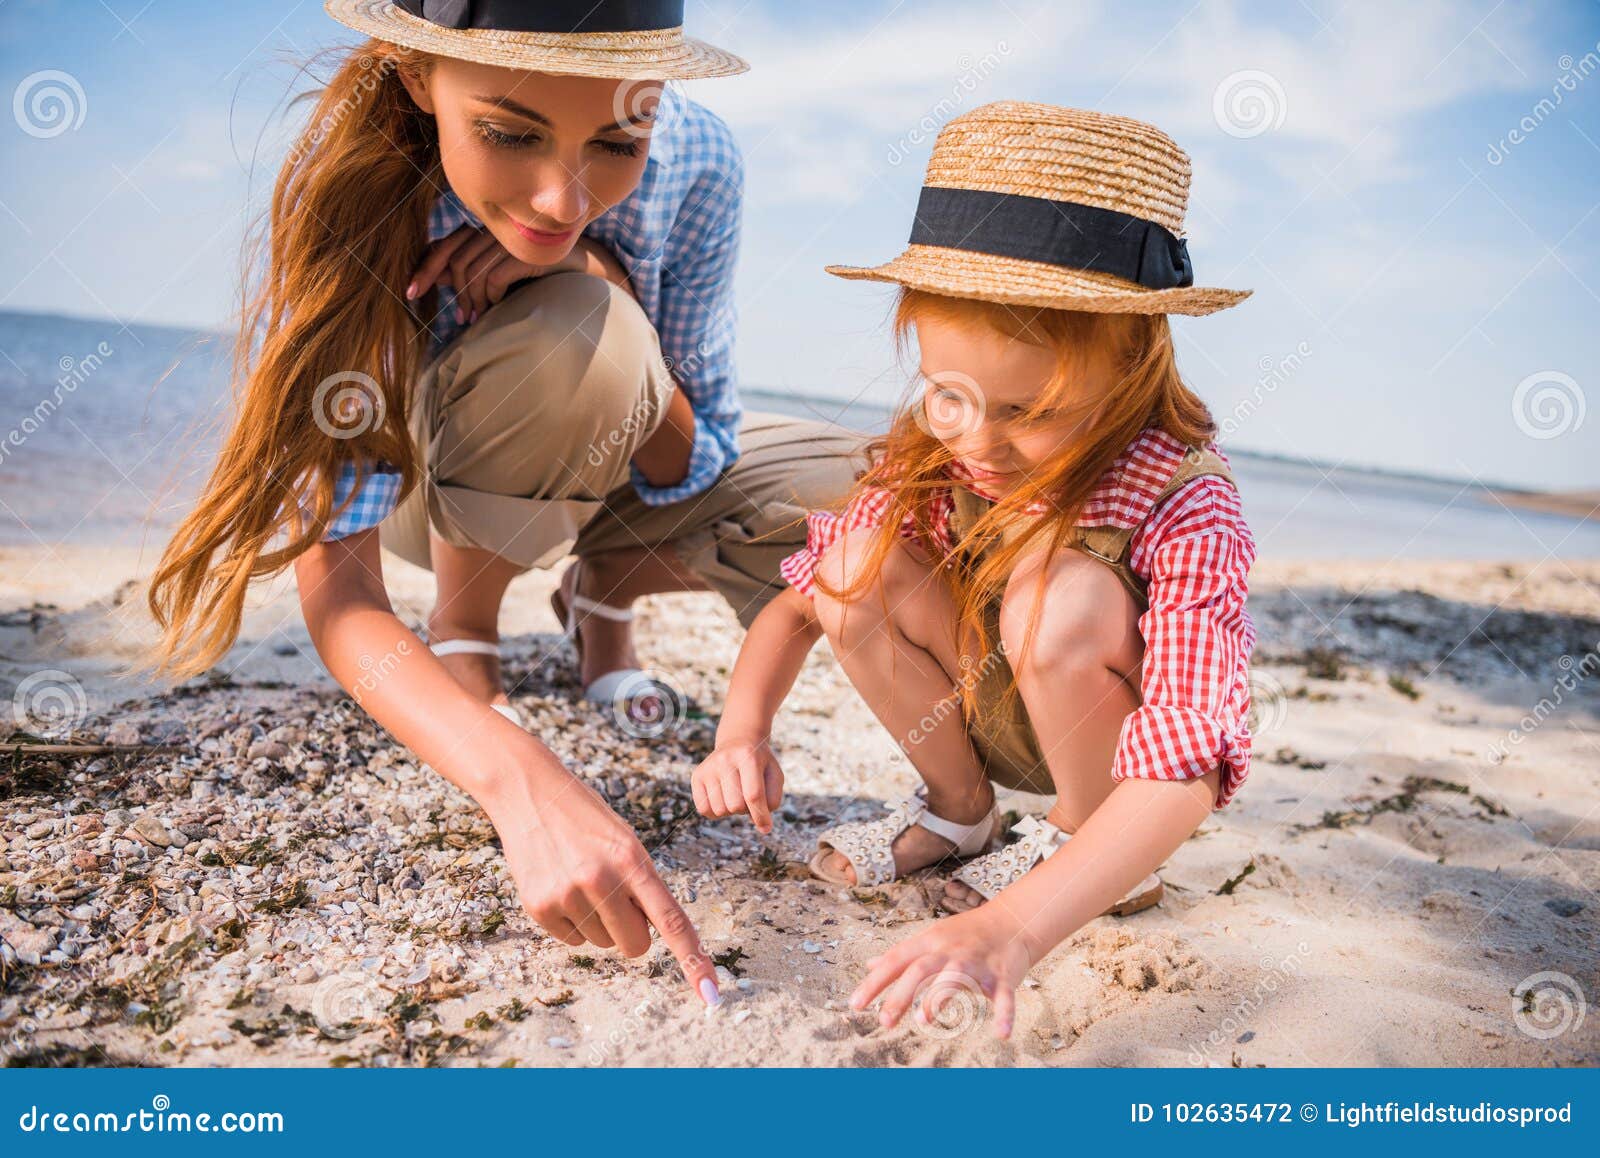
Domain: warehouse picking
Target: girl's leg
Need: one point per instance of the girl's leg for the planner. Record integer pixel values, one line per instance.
(1078, 675)
(896, 644)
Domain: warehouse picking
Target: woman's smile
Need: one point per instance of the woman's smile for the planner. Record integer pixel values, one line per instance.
(562, 237)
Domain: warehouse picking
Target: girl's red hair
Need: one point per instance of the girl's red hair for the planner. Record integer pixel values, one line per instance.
(912, 464)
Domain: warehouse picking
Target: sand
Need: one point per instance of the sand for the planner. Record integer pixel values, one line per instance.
(1410, 877)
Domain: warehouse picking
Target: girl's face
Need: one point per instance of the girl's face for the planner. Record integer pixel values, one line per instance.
(537, 157)
(980, 385)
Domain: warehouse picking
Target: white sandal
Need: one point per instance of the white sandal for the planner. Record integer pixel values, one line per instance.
(620, 688)
(1041, 840)
(868, 844)
(477, 647)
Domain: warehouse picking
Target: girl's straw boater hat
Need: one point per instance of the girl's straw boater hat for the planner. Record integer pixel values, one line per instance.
(626, 39)
(1036, 205)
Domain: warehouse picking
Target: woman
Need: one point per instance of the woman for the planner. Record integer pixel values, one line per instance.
(586, 217)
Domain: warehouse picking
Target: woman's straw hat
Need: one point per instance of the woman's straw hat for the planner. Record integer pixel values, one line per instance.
(1036, 205)
(626, 39)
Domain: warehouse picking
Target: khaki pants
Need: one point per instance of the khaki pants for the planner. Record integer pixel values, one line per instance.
(525, 425)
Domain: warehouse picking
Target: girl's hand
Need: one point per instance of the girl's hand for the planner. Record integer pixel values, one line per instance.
(742, 776)
(982, 950)
(480, 269)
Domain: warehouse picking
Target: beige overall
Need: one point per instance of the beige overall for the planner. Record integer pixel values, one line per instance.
(1001, 732)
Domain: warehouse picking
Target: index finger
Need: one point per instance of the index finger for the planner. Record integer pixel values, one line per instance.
(755, 792)
(664, 912)
(436, 259)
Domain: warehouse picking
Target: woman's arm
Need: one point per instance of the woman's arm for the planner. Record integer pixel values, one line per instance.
(579, 869)
(742, 774)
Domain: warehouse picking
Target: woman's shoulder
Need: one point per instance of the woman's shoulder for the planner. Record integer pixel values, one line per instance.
(700, 140)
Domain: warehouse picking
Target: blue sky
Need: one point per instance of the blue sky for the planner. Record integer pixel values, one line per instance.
(1418, 275)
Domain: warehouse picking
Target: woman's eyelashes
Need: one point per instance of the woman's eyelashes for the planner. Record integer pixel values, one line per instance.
(501, 139)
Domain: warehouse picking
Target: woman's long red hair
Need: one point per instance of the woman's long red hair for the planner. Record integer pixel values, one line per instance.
(346, 228)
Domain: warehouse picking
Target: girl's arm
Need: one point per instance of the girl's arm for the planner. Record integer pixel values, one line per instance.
(774, 651)
(742, 775)
(579, 869)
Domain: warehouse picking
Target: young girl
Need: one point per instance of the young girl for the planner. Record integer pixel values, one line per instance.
(1041, 581)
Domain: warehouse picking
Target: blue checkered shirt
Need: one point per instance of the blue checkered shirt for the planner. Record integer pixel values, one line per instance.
(677, 235)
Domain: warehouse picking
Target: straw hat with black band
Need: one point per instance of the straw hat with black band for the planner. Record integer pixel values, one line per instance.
(1037, 205)
(626, 39)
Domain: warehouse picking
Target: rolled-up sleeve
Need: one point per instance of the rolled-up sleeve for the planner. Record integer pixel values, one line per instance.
(363, 496)
(1196, 552)
(697, 321)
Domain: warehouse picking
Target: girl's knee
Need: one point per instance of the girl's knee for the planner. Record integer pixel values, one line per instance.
(1068, 613)
(868, 593)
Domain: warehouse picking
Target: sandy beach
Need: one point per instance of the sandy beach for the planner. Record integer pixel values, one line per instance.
(1410, 877)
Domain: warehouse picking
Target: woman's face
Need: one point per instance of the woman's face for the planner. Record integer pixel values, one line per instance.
(537, 157)
(979, 386)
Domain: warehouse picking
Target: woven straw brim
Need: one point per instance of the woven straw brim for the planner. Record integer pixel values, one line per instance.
(647, 55)
(963, 273)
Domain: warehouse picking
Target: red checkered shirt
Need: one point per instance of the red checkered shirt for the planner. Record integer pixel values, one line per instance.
(1195, 553)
